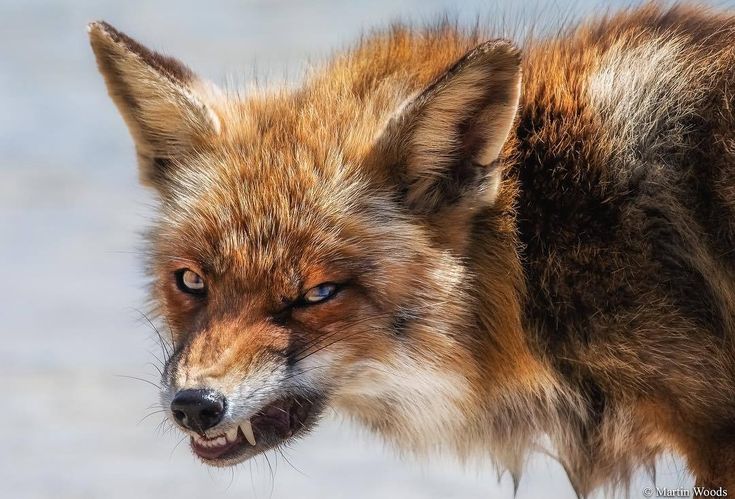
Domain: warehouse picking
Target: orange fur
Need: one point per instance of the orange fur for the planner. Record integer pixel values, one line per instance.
(526, 245)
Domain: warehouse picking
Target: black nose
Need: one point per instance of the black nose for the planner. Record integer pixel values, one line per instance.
(198, 410)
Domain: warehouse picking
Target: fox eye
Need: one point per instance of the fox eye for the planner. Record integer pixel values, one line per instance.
(190, 282)
(320, 293)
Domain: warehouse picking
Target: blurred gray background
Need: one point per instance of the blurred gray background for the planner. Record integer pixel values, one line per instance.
(70, 215)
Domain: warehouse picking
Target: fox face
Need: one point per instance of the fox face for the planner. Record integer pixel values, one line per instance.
(311, 246)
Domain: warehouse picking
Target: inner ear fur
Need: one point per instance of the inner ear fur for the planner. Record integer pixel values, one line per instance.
(449, 138)
(163, 103)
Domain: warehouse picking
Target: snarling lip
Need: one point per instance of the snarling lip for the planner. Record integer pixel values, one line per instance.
(271, 426)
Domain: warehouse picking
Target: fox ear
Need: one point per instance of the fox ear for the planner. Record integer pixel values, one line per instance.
(162, 101)
(448, 139)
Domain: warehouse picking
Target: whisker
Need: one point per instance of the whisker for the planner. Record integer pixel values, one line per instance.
(170, 329)
(139, 379)
(149, 415)
(232, 478)
(161, 426)
(349, 324)
(273, 476)
(163, 343)
(155, 366)
(177, 446)
(322, 347)
(324, 337)
(297, 470)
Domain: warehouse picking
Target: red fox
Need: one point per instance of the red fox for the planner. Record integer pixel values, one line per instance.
(463, 245)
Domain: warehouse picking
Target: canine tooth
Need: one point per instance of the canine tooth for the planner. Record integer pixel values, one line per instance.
(220, 441)
(247, 430)
(231, 434)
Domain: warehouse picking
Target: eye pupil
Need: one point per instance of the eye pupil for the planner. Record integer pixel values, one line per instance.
(320, 293)
(189, 281)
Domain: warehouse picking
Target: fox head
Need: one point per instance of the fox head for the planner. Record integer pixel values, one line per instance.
(314, 247)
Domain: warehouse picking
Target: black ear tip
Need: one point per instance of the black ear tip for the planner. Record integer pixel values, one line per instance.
(499, 47)
(99, 28)
(97, 37)
(105, 38)
(101, 33)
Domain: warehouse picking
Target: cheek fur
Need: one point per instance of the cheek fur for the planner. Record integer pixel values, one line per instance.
(348, 324)
(182, 313)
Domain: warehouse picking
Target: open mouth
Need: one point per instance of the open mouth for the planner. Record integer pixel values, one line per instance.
(273, 425)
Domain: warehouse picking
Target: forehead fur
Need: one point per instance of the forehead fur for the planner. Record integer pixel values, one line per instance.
(293, 173)
(228, 207)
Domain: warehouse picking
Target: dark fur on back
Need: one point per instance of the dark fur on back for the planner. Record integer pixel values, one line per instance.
(628, 238)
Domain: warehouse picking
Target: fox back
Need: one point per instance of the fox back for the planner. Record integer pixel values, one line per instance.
(462, 245)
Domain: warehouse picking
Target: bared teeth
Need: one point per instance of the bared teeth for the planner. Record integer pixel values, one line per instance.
(219, 441)
(230, 436)
(247, 430)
